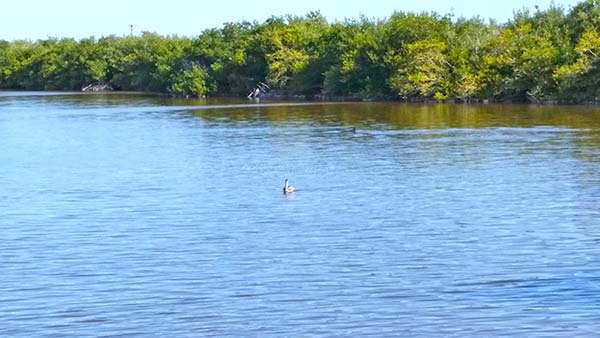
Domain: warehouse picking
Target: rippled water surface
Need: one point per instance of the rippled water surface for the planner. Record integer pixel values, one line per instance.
(131, 216)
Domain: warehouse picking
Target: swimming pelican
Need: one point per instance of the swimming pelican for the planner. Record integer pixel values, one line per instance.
(287, 189)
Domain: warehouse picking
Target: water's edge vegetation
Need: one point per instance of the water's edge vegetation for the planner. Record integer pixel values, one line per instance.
(550, 55)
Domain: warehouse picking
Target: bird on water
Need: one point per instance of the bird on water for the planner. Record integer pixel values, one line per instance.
(287, 188)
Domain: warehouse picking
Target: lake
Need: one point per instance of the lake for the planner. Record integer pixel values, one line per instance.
(127, 215)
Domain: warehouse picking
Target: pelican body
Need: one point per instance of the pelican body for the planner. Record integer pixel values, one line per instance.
(287, 188)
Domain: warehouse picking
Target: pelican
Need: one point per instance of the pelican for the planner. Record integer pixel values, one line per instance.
(287, 189)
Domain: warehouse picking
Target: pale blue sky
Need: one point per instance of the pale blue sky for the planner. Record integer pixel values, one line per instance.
(27, 19)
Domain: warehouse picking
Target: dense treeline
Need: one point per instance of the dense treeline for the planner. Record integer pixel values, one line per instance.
(540, 55)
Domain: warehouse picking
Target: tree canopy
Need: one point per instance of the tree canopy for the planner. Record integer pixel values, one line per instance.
(551, 54)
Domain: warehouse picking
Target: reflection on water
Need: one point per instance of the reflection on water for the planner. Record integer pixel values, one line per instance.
(126, 215)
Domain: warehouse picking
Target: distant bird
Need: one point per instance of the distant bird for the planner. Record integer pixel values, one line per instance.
(287, 189)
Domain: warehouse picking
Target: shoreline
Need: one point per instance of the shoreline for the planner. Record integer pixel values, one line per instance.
(308, 98)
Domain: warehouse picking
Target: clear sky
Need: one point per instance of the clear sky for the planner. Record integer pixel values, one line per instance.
(32, 20)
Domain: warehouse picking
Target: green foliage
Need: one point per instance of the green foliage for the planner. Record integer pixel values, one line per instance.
(580, 80)
(538, 55)
(583, 16)
(194, 82)
(234, 56)
(425, 71)
(520, 63)
(360, 69)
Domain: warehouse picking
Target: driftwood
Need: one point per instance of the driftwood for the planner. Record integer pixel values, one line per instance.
(260, 90)
(97, 87)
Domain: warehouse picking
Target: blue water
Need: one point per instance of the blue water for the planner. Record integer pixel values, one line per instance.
(132, 216)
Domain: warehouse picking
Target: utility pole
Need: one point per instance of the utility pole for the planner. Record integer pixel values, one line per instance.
(131, 30)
